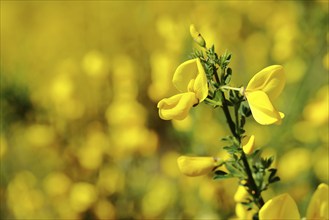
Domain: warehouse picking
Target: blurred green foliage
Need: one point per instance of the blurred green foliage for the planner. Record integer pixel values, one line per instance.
(80, 135)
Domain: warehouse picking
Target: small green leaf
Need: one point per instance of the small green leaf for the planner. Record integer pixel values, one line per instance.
(232, 95)
(218, 95)
(242, 121)
(219, 174)
(229, 56)
(245, 109)
(241, 131)
(256, 155)
(233, 170)
(227, 138)
(228, 76)
(272, 173)
(274, 179)
(232, 149)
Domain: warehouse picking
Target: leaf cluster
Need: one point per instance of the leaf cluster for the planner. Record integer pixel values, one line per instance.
(261, 168)
(234, 165)
(264, 173)
(212, 62)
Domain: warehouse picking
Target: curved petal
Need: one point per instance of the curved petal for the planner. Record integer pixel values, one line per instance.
(190, 76)
(270, 80)
(248, 144)
(280, 207)
(184, 73)
(262, 109)
(195, 166)
(177, 106)
(200, 86)
(318, 206)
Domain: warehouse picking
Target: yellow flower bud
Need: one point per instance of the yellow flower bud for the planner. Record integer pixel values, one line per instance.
(318, 206)
(197, 37)
(262, 89)
(248, 144)
(280, 207)
(196, 166)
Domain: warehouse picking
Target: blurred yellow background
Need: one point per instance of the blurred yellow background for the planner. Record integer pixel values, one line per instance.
(80, 80)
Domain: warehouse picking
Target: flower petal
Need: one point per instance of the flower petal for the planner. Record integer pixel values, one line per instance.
(318, 206)
(262, 109)
(177, 106)
(270, 80)
(248, 144)
(200, 85)
(184, 74)
(195, 166)
(190, 76)
(280, 207)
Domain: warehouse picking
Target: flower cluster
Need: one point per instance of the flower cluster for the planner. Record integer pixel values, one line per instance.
(190, 80)
(206, 77)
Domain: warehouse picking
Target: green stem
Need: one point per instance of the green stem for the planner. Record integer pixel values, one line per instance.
(254, 192)
(230, 88)
(228, 116)
(216, 75)
(253, 189)
(237, 122)
(213, 102)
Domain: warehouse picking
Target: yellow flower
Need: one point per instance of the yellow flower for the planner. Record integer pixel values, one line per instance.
(196, 166)
(262, 89)
(284, 207)
(241, 194)
(280, 207)
(318, 206)
(197, 37)
(248, 144)
(190, 79)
